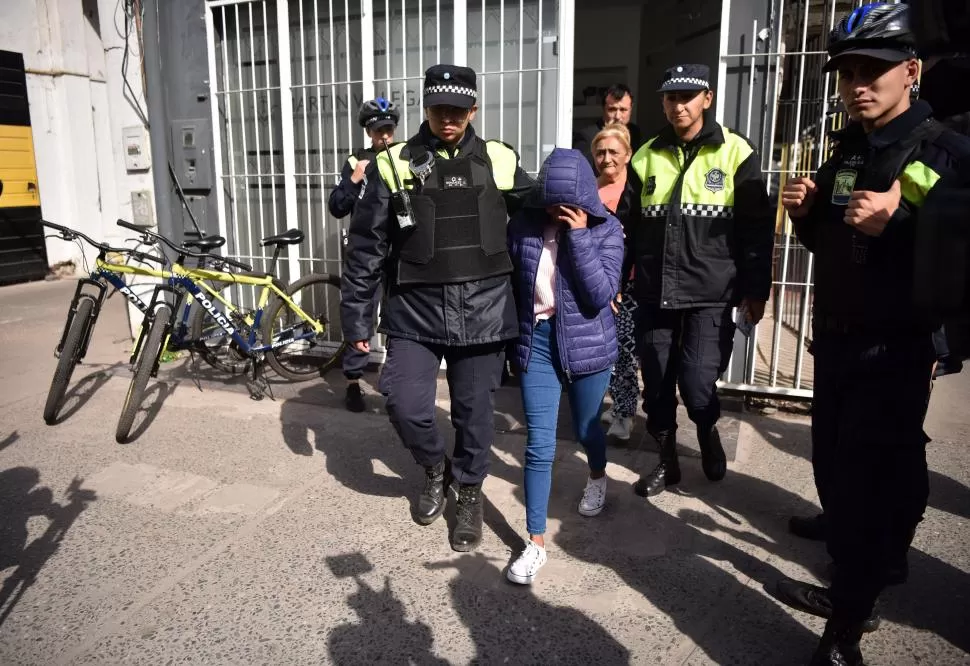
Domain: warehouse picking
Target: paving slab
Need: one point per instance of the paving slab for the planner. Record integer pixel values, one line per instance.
(278, 531)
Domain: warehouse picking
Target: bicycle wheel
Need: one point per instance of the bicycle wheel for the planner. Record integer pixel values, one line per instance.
(309, 354)
(68, 359)
(147, 355)
(214, 345)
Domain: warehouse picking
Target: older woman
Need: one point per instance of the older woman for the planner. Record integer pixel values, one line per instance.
(619, 192)
(567, 250)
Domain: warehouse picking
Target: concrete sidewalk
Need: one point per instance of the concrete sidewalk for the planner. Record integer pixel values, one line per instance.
(278, 532)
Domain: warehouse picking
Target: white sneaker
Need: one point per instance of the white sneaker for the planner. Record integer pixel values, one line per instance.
(621, 428)
(523, 571)
(607, 416)
(594, 497)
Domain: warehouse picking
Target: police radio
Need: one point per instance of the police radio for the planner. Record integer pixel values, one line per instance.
(400, 200)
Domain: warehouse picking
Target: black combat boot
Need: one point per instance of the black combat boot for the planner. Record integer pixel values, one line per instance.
(354, 398)
(431, 502)
(814, 528)
(667, 473)
(816, 600)
(839, 645)
(469, 516)
(713, 459)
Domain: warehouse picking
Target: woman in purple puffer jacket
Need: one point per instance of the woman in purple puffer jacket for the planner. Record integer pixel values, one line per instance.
(567, 250)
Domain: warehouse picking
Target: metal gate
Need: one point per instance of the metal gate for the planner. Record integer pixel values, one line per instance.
(772, 88)
(287, 78)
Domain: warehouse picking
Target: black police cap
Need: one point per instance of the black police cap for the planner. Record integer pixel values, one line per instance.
(450, 85)
(681, 78)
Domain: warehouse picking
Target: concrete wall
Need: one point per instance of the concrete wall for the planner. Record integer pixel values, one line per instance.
(607, 37)
(72, 52)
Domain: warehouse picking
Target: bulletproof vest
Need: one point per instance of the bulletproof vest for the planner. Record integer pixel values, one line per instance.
(460, 222)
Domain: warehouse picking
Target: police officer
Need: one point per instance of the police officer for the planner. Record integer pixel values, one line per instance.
(379, 119)
(873, 346)
(432, 228)
(704, 244)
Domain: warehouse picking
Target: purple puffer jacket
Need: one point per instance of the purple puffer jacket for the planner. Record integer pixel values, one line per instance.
(587, 266)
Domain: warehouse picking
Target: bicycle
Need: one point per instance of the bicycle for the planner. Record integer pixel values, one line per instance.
(279, 324)
(86, 305)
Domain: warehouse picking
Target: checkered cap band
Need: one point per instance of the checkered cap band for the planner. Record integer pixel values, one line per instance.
(656, 210)
(685, 79)
(708, 210)
(457, 90)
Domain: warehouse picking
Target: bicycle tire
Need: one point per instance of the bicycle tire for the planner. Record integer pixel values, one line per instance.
(68, 359)
(320, 358)
(147, 356)
(217, 352)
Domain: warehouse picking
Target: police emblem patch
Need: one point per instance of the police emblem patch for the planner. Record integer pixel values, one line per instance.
(455, 182)
(844, 184)
(651, 185)
(714, 180)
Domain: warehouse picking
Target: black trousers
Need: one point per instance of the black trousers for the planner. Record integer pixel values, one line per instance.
(409, 382)
(688, 347)
(869, 456)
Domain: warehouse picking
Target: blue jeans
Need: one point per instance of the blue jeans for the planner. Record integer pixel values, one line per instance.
(542, 384)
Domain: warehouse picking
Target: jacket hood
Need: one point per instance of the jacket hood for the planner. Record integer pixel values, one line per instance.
(567, 179)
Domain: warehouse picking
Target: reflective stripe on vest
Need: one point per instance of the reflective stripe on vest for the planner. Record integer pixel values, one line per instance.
(503, 159)
(708, 184)
(916, 181)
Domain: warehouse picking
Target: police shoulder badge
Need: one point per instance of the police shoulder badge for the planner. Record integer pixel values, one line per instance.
(844, 185)
(650, 186)
(714, 180)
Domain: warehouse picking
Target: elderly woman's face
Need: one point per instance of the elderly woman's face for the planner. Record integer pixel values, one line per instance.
(610, 156)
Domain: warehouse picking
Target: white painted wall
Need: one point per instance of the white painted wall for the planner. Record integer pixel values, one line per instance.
(72, 52)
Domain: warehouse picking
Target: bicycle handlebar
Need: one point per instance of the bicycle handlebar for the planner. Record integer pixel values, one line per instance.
(69, 234)
(182, 250)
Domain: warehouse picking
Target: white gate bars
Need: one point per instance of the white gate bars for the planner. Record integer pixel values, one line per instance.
(799, 112)
(287, 78)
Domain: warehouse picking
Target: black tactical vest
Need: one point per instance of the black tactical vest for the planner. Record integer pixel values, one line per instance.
(460, 222)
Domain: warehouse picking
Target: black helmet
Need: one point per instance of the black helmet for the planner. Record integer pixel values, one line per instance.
(878, 30)
(378, 112)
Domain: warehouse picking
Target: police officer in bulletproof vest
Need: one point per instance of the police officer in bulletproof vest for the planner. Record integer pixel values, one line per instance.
(433, 229)
(872, 344)
(703, 245)
(379, 119)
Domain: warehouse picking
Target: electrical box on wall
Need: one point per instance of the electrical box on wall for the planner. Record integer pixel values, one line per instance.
(138, 156)
(141, 208)
(192, 153)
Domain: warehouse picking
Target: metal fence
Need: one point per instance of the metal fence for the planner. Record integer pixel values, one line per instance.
(800, 110)
(287, 78)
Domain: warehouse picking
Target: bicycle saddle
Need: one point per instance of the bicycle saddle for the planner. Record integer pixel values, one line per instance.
(207, 243)
(288, 237)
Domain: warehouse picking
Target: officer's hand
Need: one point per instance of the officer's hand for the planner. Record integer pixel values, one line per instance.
(755, 309)
(869, 212)
(362, 346)
(798, 196)
(574, 218)
(358, 174)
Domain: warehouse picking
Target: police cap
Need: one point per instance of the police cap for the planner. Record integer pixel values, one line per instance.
(450, 85)
(682, 78)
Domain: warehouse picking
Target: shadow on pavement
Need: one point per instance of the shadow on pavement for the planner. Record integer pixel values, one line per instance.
(9, 439)
(155, 397)
(510, 625)
(382, 634)
(20, 500)
(82, 391)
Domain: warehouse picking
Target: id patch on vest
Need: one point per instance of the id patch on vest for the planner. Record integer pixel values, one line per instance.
(455, 182)
(844, 184)
(714, 181)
